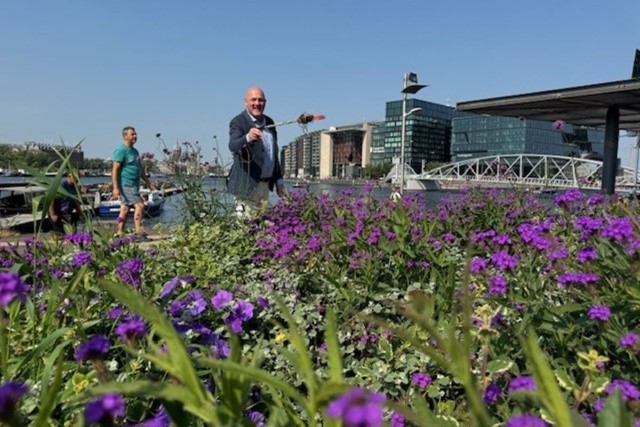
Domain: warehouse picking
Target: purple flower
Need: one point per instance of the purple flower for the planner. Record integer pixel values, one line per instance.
(196, 304)
(131, 330)
(491, 394)
(557, 254)
(219, 347)
(524, 383)
(629, 340)
(420, 379)
(618, 229)
(221, 298)
(79, 238)
(628, 391)
(568, 197)
(94, 348)
(114, 313)
(586, 254)
(577, 279)
(599, 312)
(526, 421)
(161, 419)
(171, 284)
(129, 271)
(503, 261)
(358, 408)
(242, 312)
(497, 285)
(105, 409)
(10, 394)
(397, 420)
(477, 265)
(81, 258)
(11, 288)
(262, 302)
(256, 417)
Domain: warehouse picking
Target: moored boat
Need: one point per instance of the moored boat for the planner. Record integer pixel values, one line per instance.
(153, 204)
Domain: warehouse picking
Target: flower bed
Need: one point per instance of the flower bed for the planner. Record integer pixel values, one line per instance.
(486, 309)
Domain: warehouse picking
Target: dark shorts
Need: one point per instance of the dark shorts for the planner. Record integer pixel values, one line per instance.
(130, 195)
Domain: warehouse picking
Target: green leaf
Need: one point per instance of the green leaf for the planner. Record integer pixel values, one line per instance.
(50, 391)
(499, 365)
(180, 361)
(598, 385)
(548, 390)
(615, 413)
(303, 358)
(333, 348)
(44, 345)
(257, 375)
(157, 390)
(565, 381)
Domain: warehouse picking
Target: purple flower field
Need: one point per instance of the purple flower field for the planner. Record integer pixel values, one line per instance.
(488, 309)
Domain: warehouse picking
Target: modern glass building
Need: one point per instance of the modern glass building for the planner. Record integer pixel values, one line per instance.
(427, 133)
(479, 136)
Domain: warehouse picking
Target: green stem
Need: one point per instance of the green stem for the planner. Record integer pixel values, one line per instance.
(4, 347)
(580, 397)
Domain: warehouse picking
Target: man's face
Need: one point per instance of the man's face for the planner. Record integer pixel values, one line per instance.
(255, 102)
(131, 136)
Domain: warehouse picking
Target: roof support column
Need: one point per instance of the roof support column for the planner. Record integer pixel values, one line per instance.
(609, 166)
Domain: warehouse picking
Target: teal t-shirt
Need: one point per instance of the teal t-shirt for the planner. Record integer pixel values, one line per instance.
(130, 165)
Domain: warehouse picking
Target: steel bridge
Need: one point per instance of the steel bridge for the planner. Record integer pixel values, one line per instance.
(534, 171)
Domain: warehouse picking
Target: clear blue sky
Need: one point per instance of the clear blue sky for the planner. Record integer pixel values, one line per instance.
(76, 69)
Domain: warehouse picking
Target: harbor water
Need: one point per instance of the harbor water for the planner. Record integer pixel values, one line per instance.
(172, 214)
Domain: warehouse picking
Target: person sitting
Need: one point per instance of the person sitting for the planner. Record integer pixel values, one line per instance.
(66, 209)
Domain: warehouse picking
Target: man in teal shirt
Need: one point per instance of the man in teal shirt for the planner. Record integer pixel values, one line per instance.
(125, 177)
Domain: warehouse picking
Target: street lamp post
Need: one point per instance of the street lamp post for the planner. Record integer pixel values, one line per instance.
(408, 88)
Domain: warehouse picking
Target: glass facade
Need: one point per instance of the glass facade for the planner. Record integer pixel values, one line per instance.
(479, 136)
(427, 133)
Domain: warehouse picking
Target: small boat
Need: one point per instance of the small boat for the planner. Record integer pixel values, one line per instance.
(301, 184)
(18, 199)
(153, 204)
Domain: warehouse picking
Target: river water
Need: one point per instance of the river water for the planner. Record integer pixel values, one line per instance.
(171, 214)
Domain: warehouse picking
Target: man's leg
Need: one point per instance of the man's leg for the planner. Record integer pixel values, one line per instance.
(244, 206)
(137, 216)
(122, 218)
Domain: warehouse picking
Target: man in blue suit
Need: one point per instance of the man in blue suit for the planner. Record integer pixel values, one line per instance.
(256, 167)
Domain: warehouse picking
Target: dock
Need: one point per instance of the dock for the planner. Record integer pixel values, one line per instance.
(26, 222)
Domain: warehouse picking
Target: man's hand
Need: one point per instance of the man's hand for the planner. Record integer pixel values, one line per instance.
(281, 192)
(115, 195)
(254, 135)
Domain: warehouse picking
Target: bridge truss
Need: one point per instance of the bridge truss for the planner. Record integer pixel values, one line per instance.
(524, 170)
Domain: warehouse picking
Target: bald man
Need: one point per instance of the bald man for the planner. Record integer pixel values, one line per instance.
(256, 166)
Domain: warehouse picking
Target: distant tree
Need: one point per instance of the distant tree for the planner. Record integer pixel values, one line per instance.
(376, 171)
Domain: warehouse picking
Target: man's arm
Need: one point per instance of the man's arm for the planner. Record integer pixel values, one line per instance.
(239, 138)
(144, 177)
(52, 211)
(115, 170)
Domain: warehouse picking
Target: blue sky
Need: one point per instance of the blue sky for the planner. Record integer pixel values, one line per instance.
(75, 70)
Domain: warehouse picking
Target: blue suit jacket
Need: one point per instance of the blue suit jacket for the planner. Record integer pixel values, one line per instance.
(246, 170)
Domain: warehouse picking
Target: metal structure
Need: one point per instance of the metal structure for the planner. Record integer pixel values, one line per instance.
(407, 88)
(614, 105)
(540, 172)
